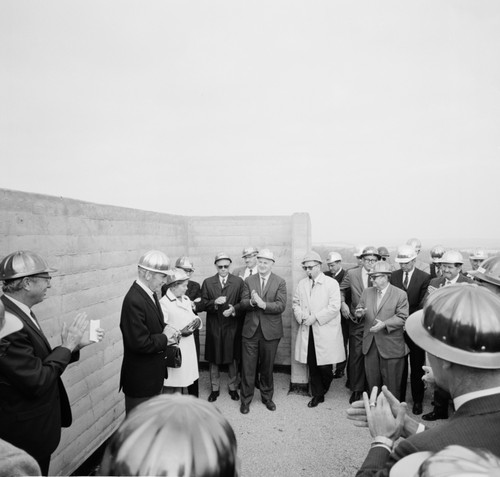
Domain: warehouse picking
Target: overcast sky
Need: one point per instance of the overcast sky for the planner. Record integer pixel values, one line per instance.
(379, 119)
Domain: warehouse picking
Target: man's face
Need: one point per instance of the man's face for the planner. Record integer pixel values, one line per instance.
(380, 281)
(250, 260)
(312, 268)
(369, 262)
(475, 263)
(334, 267)
(223, 267)
(37, 287)
(264, 265)
(155, 281)
(450, 270)
(408, 266)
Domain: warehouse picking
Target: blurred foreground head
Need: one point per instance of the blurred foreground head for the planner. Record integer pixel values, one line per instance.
(173, 435)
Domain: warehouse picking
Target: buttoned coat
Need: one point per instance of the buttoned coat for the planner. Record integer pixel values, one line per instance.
(323, 302)
(440, 282)
(417, 287)
(393, 311)
(221, 331)
(274, 294)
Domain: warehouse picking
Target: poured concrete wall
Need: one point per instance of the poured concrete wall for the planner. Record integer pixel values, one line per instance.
(95, 249)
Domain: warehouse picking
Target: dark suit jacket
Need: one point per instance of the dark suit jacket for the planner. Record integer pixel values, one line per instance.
(475, 424)
(33, 402)
(393, 311)
(417, 288)
(144, 345)
(221, 332)
(269, 319)
(439, 282)
(338, 277)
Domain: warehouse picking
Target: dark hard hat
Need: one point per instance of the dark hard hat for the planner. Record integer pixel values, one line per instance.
(489, 271)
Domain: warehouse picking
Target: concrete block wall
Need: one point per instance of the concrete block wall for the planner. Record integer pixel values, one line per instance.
(95, 249)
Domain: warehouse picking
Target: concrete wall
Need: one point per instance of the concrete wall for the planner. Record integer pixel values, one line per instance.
(95, 249)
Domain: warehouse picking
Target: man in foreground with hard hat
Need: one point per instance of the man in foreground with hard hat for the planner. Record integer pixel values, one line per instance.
(319, 342)
(145, 335)
(264, 300)
(33, 401)
(459, 328)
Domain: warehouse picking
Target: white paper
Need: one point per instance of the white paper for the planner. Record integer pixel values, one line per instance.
(94, 325)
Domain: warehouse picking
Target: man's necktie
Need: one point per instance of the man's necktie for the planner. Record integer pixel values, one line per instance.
(263, 284)
(157, 302)
(379, 298)
(405, 283)
(251, 271)
(312, 284)
(35, 320)
(223, 283)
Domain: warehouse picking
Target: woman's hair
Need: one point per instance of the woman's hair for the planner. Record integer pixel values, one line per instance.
(172, 435)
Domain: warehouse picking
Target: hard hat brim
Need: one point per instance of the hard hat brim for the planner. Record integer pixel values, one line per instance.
(404, 260)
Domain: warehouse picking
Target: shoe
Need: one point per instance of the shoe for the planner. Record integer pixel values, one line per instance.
(270, 405)
(338, 374)
(355, 396)
(244, 408)
(433, 416)
(315, 401)
(417, 408)
(234, 395)
(213, 396)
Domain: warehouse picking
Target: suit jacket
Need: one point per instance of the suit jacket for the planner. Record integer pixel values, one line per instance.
(144, 345)
(33, 401)
(393, 311)
(339, 277)
(221, 332)
(439, 282)
(417, 288)
(353, 283)
(269, 319)
(475, 424)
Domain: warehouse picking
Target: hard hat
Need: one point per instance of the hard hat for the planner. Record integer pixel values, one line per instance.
(384, 252)
(312, 256)
(436, 253)
(478, 254)
(415, 243)
(185, 263)
(461, 324)
(23, 264)
(489, 270)
(155, 261)
(248, 251)
(176, 275)
(380, 268)
(333, 257)
(267, 254)
(222, 256)
(452, 256)
(370, 251)
(359, 250)
(406, 253)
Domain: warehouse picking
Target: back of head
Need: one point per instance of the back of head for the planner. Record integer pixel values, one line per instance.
(172, 435)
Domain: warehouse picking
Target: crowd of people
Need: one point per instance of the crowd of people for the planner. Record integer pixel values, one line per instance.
(374, 323)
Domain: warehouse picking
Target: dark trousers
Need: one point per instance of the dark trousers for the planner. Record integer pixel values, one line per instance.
(193, 388)
(356, 361)
(417, 360)
(345, 335)
(258, 349)
(321, 376)
(441, 401)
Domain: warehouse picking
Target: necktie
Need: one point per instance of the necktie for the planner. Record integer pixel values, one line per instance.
(223, 283)
(379, 298)
(368, 281)
(157, 303)
(263, 284)
(405, 283)
(251, 271)
(312, 284)
(35, 320)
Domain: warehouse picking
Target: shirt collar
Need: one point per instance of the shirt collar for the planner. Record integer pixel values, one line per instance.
(145, 288)
(461, 400)
(338, 272)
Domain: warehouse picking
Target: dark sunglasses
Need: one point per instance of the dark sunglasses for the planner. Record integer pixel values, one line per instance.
(222, 266)
(311, 267)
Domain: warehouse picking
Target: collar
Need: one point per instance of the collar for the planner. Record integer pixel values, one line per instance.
(265, 277)
(338, 272)
(382, 292)
(452, 282)
(146, 289)
(461, 400)
(170, 295)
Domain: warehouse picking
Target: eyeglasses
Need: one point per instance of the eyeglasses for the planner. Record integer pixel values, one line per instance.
(311, 267)
(45, 277)
(222, 266)
(370, 260)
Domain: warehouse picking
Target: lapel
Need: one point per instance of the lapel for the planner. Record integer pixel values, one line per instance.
(384, 298)
(150, 302)
(266, 287)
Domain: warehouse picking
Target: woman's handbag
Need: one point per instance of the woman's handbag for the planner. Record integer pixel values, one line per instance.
(173, 357)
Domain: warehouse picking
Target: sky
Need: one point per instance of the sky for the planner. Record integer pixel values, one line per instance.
(379, 119)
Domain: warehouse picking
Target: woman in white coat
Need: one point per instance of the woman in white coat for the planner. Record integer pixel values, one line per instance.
(319, 343)
(178, 312)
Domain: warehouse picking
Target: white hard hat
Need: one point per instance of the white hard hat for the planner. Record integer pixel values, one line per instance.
(333, 257)
(452, 256)
(406, 253)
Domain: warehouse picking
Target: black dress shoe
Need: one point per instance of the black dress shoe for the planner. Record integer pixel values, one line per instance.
(338, 374)
(270, 405)
(417, 408)
(234, 395)
(213, 396)
(433, 416)
(244, 408)
(315, 401)
(355, 396)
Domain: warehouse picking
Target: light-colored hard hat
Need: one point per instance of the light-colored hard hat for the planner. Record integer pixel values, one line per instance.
(248, 251)
(185, 263)
(461, 324)
(406, 253)
(155, 261)
(436, 253)
(384, 252)
(489, 271)
(312, 256)
(176, 275)
(370, 251)
(478, 254)
(222, 256)
(23, 264)
(415, 243)
(380, 268)
(266, 253)
(359, 250)
(452, 256)
(333, 257)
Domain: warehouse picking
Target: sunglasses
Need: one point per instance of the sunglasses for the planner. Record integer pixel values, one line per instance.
(222, 266)
(311, 267)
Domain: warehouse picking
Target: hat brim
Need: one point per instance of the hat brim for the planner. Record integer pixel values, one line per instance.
(372, 274)
(416, 331)
(11, 325)
(404, 260)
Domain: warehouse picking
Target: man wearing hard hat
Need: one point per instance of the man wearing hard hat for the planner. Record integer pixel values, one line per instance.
(33, 401)
(488, 274)
(417, 245)
(436, 254)
(459, 328)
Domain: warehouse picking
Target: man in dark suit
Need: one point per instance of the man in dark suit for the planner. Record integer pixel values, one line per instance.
(220, 298)
(435, 268)
(264, 300)
(459, 329)
(451, 268)
(33, 401)
(352, 286)
(384, 309)
(145, 336)
(335, 271)
(414, 282)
